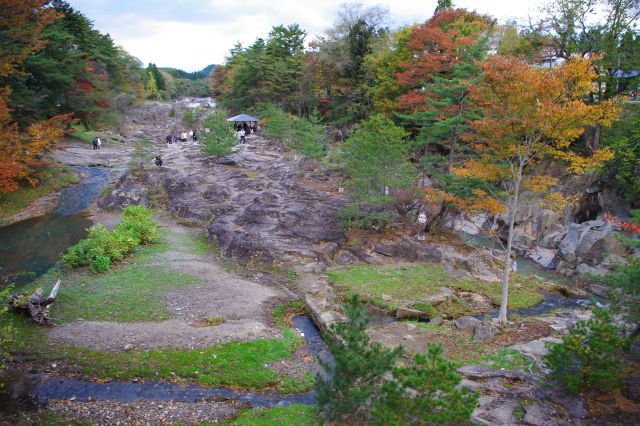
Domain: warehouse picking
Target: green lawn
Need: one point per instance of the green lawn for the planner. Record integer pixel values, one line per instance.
(414, 283)
(54, 179)
(235, 364)
(291, 415)
(132, 291)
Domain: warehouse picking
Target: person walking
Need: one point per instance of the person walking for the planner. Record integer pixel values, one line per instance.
(99, 143)
(241, 135)
(95, 143)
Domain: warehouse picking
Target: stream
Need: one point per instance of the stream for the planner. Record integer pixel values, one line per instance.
(41, 388)
(29, 248)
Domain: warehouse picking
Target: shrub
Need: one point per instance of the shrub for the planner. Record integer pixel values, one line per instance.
(353, 216)
(425, 394)
(139, 220)
(586, 359)
(103, 246)
(359, 366)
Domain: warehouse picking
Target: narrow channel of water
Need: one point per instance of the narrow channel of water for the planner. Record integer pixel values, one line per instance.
(42, 389)
(29, 248)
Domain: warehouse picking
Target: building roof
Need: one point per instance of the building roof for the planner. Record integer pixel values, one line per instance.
(243, 117)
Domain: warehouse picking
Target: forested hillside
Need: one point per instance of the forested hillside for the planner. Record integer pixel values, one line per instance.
(57, 69)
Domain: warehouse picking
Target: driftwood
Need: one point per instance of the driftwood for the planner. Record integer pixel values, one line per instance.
(35, 307)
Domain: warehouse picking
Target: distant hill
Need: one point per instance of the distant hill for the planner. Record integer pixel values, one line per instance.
(196, 75)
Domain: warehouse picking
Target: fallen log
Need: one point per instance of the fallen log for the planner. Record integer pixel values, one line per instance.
(35, 306)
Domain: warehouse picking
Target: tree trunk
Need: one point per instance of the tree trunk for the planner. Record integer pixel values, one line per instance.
(452, 149)
(513, 206)
(36, 307)
(592, 137)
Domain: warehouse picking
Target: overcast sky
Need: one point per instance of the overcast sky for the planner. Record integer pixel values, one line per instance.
(191, 34)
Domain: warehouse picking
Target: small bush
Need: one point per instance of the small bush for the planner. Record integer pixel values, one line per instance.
(215, 320)
(104, 246)
(139, 220)
(354, 217)
(586, 359)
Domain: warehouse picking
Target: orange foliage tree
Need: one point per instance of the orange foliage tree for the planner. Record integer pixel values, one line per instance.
(530, 113)
(438, 74)
(21, 25)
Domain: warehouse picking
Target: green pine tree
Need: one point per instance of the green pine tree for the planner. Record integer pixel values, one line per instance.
(587, 358)
(425, 394)
(356, 377)
(376, 161)
(220, 138)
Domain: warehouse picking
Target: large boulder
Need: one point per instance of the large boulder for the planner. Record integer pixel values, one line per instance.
(546, 258)
(589, 242)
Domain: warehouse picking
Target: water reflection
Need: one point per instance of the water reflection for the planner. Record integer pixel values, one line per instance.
(29, 248)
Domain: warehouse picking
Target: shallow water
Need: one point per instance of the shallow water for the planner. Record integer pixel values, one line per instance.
(29, 248)
(551, 302)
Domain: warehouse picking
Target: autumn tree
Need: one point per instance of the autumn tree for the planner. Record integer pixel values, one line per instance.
(437, 77)
(530, 113)
(21, 25)
(604, 28)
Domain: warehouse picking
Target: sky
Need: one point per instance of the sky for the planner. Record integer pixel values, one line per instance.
(191, 34)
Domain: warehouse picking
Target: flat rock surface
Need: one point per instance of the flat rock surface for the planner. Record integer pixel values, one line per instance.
(110, 336)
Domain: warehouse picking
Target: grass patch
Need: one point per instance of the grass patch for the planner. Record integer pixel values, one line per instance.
(507, 359)
(53, 179)
(83, 134)
(216, 320)
(281, 313)
(132, 292)
(291, 415)
(234, 364)
(416, 282)
(458, 345)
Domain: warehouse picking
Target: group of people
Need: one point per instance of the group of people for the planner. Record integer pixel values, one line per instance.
(184, 137)
(97, 143)
(243, 131)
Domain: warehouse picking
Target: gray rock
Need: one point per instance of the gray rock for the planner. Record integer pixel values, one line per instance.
(552, 240)
(569, 244)
(467, 323)
(584, 269)
(540, 415)
(544, 257)
(480, 372)
(405, 313)
(483, 331)
(345, 257)
(599, 289)
(230, 160)
(536, 349)
(443, 295)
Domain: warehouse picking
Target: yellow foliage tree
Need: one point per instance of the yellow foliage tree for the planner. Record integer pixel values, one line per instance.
(530, 113)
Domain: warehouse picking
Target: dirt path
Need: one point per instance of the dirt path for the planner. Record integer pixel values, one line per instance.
(243, 304)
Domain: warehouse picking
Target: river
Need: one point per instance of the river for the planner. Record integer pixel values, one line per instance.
(29, 248)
